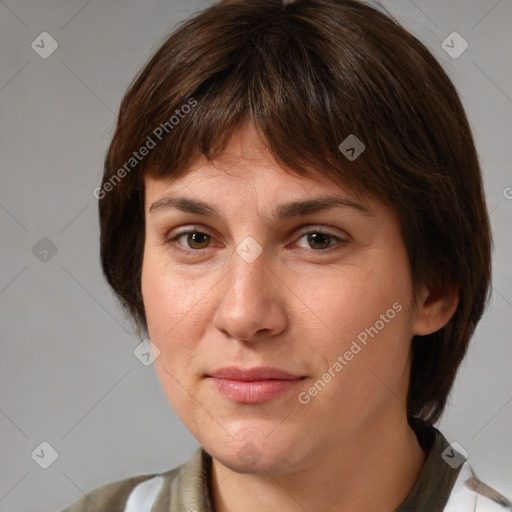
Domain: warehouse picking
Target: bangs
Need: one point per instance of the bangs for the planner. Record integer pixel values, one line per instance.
(280, 94)
(304, 93)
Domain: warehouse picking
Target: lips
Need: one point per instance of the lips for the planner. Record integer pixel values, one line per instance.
(252, 374)
(252, 385)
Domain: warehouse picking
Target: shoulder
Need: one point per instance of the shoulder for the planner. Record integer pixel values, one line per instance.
(116, 496)
(139, 493)
(447, 481)
(184, 487)
(113, 495)
(470, 493)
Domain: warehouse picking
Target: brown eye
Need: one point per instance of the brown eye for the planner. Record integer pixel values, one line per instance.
(194, 239)
(319, 240)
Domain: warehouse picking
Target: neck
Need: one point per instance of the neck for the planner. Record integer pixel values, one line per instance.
(373, 470)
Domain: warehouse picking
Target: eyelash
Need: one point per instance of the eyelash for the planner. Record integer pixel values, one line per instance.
(172, 241)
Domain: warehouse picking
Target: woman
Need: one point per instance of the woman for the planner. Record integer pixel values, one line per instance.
(292, 210)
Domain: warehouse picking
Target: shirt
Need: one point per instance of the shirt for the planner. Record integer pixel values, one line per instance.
(446, 483)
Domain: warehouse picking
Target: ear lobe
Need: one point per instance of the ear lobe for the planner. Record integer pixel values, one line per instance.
(435, 310)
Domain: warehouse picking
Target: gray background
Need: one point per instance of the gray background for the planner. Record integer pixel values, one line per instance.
(68, 375)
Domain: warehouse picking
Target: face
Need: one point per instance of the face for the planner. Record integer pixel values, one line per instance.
(283, 318)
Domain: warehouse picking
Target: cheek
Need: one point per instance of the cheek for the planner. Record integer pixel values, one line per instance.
(178, 313)
(354, 299)
(172, 310)
(366, 312)
(169, 298)
(165, 306)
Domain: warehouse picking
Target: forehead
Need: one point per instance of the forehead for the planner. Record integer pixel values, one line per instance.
(245, 182)
(267, 190)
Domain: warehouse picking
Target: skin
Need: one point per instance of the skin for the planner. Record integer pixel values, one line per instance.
(297, 307)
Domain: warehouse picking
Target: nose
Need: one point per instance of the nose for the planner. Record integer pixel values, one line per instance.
(251, 301)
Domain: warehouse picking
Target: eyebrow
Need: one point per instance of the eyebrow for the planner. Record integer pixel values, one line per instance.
(281, 211)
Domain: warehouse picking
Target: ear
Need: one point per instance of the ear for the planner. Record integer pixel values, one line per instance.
(435, 309)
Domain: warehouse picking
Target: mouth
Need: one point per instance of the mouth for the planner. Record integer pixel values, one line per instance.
(252, 385)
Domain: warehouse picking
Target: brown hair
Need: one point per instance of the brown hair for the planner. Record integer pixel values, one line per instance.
(308, 74)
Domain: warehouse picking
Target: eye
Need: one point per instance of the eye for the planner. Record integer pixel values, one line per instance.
(194, 239)
(320, 240)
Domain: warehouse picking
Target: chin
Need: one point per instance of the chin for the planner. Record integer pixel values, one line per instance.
(245, 458)
(253, 455)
